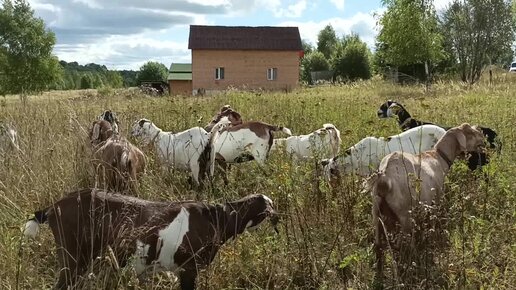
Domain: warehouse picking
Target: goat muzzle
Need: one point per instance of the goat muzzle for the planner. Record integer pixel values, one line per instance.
(274, 219)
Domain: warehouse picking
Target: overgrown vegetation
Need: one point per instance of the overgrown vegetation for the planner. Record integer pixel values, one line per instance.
(325, 236)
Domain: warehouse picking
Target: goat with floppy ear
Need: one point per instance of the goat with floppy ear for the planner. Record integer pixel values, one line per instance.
(395, 193)
(182, 237)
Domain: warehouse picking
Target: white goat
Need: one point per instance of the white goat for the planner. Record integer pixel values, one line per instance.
(244, 142)
(364, 157)
(182, 151)
(323, 143)
(8, 138)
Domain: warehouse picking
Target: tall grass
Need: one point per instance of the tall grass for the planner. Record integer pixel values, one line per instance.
(326, 236)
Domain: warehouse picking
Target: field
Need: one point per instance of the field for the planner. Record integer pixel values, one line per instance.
(325, 239)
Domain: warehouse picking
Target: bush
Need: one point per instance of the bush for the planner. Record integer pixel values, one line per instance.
(354, 63)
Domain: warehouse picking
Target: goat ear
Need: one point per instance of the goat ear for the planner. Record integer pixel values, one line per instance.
(461, 139)
(96, 131)
(394, 108)
(141, 122)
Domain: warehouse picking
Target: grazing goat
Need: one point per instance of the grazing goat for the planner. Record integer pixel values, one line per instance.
(324, 143)
(100, 132)
(160, 236)
(120, 163)
(244, 142)
(110, 116)
(181, 151)
(226, 111)
(405, 121)
(404, 179)
(8, 138)
(364, 157)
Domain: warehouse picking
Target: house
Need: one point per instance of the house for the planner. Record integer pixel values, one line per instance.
(244, 57)
(180, 79)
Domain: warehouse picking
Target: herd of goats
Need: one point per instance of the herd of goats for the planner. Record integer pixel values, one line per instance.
(183, 236)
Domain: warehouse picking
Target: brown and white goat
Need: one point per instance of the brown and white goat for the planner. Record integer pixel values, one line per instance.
(226, 111)
(244, 142)
(160, 236)
(118, 163)
(100, 131)
(395, 190)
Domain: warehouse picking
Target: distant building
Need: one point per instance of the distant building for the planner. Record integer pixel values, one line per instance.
(180, 79)
(244, 57)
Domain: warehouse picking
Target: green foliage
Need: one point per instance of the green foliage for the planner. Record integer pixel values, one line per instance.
(26, 61)
(352, 61)
(152, 71)
(409, 33)
(314, 61)
(479, 32)
(100, 76)
(115, 79)
(87, 81)
(327, 41)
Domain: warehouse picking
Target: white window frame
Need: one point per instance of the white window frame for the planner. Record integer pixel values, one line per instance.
(218, 75)
(272, 74)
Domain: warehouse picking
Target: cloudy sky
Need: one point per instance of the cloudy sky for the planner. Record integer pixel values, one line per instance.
(123, 34)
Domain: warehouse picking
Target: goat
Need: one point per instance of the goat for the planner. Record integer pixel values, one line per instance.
(8, 138)
(182, 151)
(364, 157)
(160, 236)
(100, 132)
(120, 163)
(226, 111)
(323, 142)
(244, 142)
(405, 121)
(394, 188)
(110, 116)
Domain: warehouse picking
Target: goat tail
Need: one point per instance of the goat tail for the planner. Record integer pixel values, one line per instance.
(32, 226)
(377, 184)
(279, 128)
(210, 148)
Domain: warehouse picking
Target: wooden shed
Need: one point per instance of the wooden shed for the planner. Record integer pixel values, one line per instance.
(244, 57)
(180, 79)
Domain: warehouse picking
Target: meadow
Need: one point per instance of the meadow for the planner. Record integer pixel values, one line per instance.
(326, 236)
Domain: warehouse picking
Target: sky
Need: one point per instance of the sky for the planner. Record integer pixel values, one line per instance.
(124, 34)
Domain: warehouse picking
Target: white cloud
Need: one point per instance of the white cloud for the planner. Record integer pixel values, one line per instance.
(280, 9)
(364, 24)
(338, 3)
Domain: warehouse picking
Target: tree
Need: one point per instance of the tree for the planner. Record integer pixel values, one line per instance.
(327, 41)
(115, 79)
(26, 62)
(481, 32)
(86, 81)
(314, 61)
(355, 60)
(409, 33)
(152, 71)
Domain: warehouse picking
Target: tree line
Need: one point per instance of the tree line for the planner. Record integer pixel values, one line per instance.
(459, 42)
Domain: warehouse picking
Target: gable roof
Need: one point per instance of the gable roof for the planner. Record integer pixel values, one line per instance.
(180, 67)
(180, 72)
(244, 38)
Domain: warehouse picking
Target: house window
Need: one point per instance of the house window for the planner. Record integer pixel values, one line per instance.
(219, 73)
(272, 74)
